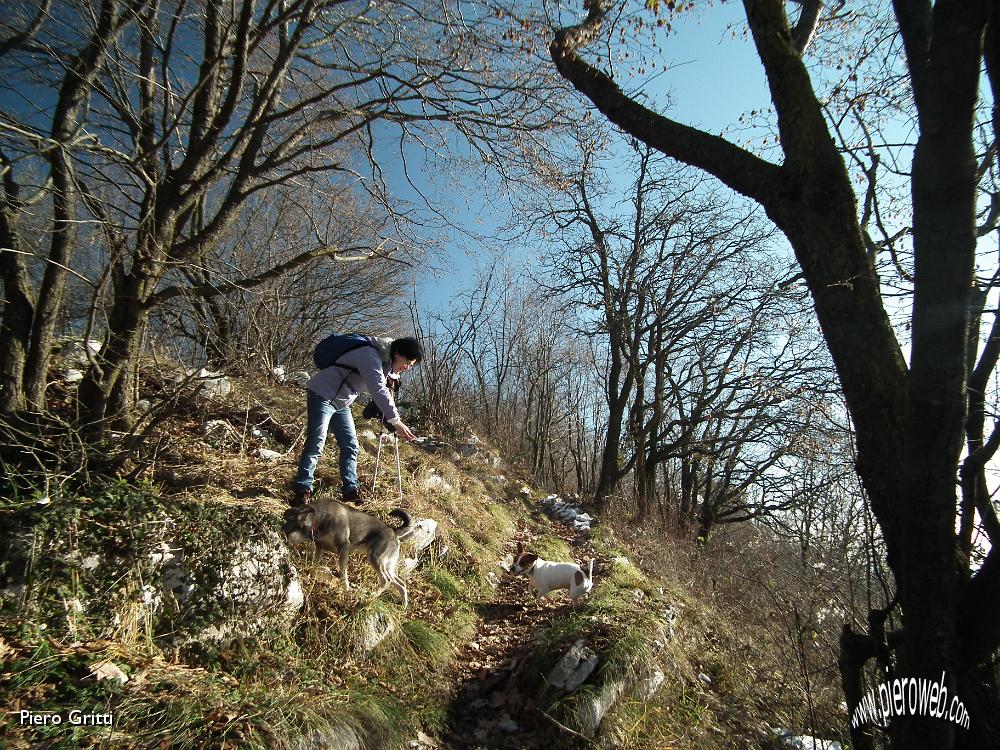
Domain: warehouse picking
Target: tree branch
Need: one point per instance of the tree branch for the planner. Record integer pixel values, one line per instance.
(741, 170)
(805, 27)
(914, 19)
(211, 290)
(23, 37)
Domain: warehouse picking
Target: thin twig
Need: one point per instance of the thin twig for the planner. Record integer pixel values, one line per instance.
(565, 728)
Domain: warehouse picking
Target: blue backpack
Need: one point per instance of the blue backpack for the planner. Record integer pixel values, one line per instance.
(332, 348)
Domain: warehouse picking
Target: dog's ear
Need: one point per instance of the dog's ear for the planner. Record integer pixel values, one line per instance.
(307, 516)
(528, 559)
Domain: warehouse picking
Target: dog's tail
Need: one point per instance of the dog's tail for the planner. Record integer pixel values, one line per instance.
(407, 528)
(590, 570)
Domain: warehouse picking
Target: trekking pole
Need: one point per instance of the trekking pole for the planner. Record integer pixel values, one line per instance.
(399, 474)
(378, 456)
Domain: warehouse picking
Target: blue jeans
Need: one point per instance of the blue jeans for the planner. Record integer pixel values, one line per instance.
(321, 416)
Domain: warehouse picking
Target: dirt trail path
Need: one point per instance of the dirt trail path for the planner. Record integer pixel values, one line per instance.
(490, 710)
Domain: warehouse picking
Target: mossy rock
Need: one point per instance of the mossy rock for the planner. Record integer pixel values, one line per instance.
(124, 563)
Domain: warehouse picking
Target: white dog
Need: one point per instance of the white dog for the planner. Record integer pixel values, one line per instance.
(548, 576)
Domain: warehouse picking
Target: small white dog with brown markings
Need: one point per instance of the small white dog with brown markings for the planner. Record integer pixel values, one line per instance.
(546, 576)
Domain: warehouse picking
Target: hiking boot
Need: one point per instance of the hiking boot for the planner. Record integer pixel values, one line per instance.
(353, 496)
(300, 497)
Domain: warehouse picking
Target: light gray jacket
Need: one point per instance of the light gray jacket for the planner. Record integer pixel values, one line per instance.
(341, 386)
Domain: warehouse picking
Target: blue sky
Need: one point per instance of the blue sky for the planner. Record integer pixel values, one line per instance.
(715, 77)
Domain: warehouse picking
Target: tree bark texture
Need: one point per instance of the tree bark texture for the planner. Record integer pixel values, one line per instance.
(18, 309)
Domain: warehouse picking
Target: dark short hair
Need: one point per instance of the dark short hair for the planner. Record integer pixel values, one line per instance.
(407, 347)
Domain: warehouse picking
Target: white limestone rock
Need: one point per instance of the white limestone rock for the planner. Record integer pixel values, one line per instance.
(434, 481)
(299, 378)
(76, 351)
(785, 739)
(592, 708)
(378, 626)
(210, 384)
(339, 737)
(574, 668)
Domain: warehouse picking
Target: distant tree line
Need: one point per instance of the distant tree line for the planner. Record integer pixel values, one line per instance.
(655, 361)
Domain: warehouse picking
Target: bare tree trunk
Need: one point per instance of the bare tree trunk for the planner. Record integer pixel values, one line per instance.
(50, 295)
(18, 308)
(641, 485)
(943, 186)
(104, 394)
(609, 471)
(65, 196)
(690, 470)
(706, 512)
